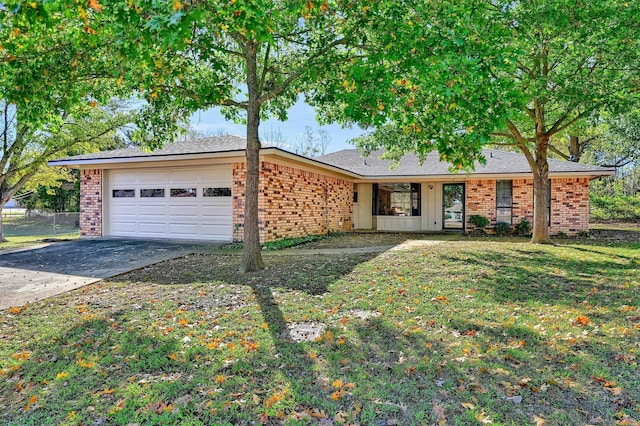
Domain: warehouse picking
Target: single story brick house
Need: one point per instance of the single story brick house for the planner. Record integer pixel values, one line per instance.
(195, 190)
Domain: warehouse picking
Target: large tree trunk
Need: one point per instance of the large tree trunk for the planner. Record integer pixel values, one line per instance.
(541, 194)
(2, 204)
(252, 255)
(2, 239)
(574, 149)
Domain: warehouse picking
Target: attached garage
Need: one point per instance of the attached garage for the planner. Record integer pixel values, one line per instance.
(172, 202)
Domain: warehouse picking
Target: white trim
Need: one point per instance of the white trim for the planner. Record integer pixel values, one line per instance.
(142, 159)
(483, 176)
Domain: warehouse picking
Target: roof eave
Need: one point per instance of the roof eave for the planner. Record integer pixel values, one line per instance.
(143, 158)
(473, 176)
(308, 161)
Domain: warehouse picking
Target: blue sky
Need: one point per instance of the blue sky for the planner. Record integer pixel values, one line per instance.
(300, 115)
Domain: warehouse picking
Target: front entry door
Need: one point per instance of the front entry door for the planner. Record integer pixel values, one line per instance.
(453, 206)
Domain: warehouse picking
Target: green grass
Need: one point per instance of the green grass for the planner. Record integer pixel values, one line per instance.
(465, 332)
(23, 232)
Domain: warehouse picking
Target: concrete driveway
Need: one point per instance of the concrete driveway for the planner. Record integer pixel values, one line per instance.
(43, 271)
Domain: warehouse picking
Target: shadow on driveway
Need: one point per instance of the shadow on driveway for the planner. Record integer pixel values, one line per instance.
(36, 273)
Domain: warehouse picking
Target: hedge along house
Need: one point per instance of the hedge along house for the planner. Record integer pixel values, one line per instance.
(195, 190)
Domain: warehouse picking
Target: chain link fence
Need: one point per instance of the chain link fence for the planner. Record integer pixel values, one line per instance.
(40, 225)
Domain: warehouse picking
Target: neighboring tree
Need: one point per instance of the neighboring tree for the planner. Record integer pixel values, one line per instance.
(25, 152)
(312, 143)
(274, 137)
(552, 63)
(53, 80)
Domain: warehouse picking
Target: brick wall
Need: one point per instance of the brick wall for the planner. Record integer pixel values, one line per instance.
(569, 203)
(91, 203)
(522, 200)
(480, 199)
(294, 202)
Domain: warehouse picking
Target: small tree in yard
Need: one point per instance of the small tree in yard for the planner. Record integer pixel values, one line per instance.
(536, 68)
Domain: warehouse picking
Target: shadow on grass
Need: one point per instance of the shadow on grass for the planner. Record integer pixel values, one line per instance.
(559, 275)
(118, 366)
(173, 361)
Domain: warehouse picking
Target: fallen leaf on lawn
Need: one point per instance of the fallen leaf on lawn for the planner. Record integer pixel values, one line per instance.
(23, 355)
(337, 383)
(483, 418)
(15, 310)
(615, 391)
(439, 412)
(581, 320)
(275, 398)
(31, 401)
(539, 420)
(340, 417)
(468, 405)
(337, 395)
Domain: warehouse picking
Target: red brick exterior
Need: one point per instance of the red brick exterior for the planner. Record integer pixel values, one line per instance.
(91, 203)
(294, 202)
(480, 199)
(522, 200)
(569, 203)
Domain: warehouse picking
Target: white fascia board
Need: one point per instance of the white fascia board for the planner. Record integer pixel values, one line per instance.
(141, 159)
(308, 161)
(484, 176)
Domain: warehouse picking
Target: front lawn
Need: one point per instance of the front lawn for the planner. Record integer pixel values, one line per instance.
(441, 332)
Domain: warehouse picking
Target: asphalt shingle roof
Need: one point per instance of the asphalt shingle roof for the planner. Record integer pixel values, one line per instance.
(352, 160)
(498, 162)
(189, 147)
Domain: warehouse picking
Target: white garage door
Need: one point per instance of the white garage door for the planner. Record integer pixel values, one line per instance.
(187, 203)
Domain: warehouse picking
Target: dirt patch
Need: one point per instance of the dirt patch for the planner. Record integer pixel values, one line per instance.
(615, 235)
(370, 239)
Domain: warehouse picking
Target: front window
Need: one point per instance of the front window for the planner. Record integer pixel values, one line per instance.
(396, 199)
(504, 201)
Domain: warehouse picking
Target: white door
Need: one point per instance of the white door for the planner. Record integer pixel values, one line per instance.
(174, 202)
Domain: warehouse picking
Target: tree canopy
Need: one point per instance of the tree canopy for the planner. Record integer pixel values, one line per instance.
(454, 75)
(54, 79)
(253, 58)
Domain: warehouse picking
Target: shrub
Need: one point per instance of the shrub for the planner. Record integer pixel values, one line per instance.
(614, 207)
(478, 220)
(524, 227)
(503, 228)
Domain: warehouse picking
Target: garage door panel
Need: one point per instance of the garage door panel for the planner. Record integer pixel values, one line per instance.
(183, 211)
(153, 178)
(123, 178)
(171, 217)
(214, 214)
(123, 227)
(187, 229)
(214, 231)
(152, 227)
